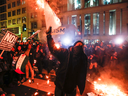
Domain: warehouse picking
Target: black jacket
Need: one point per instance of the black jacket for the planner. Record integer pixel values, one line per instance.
(68, 75)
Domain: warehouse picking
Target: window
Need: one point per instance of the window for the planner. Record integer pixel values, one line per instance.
(23, 10)
(80, 26)
(13, 21)
(4, 24)
(3, 16)
(121, 12)
(13, 13)
(18, 20)
(96, 23)
(18, 2)
(9, 6)
(33, 25)
(9, 22)
(9, 14)
(74, 20)
(105, 2)
(67, 20)
(14, 30)
(23, 19)
(77, 4)
(87, 24)
(43, 23)
(2, 2)
(18, 11)
(3, 9)
(91, 3)
(104, 23)
(13, 4)
(23, 2)
(34, 15)
(112, 23)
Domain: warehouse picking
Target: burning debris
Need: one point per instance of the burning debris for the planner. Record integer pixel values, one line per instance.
(111, 82)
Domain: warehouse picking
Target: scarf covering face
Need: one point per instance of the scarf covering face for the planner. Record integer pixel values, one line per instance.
(76, 55)
(77, 51)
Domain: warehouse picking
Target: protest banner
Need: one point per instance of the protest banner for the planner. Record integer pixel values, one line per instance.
(50, 17)
(7, 40)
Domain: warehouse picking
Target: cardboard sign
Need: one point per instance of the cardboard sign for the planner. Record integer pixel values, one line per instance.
(7, 41)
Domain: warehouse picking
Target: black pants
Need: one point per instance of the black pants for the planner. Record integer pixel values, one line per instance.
(59, 92)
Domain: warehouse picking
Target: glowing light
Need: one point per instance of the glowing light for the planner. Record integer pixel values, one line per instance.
(91, 3)
(48, 93)
(57, 45)
(37, 83)
(66, 41)
(36, 93)
(119, 41)
(47, 81)
(79, 33)
(108, 90)
(29, 81)
(40, 3)
(108, 0)
(47, 77)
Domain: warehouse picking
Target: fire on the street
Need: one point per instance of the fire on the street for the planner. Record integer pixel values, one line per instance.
(107, 89)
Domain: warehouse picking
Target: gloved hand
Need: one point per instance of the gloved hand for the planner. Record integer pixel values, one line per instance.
(48, 32)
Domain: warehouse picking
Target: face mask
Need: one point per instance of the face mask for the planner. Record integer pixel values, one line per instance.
(78, 50)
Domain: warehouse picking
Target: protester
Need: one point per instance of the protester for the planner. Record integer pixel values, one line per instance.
(72, 69)
(29, 66)
(38, 54)
(17, 54)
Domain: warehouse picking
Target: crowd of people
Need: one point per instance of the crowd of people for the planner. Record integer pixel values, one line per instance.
(39, 56)
(100, 54)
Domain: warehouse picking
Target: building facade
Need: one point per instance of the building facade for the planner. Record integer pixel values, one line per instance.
(19, 17)
(98, 20)
(102, 20)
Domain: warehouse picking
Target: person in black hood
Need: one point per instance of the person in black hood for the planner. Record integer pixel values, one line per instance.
(72, 69)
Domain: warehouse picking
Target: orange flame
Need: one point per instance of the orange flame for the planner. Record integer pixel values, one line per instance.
(57, 45)
(40, 3)
(47, 81)
(107, 90)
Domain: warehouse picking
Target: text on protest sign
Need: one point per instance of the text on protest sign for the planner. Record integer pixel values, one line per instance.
(60, 30)
(8, 41)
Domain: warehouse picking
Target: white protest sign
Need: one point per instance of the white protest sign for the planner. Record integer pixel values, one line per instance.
(8, 41)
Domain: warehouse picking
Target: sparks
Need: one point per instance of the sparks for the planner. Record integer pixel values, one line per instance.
(29, 81)
(47, 77)
(47, 81)
(48, 93)
(36, 93)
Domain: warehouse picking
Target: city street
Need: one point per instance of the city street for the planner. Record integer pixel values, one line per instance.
(44, 87)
